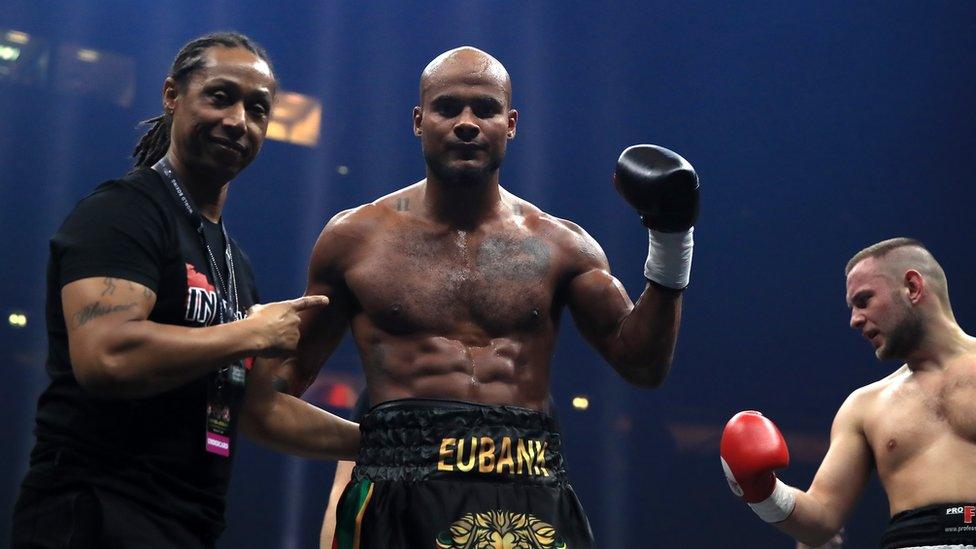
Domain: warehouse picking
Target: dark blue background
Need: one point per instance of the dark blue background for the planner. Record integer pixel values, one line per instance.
(817, 128)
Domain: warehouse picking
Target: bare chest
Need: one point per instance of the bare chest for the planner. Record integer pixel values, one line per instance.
(924, 415)
(418, 281)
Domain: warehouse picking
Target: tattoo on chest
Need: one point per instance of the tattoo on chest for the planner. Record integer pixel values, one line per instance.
(436, 279)
(514, 259)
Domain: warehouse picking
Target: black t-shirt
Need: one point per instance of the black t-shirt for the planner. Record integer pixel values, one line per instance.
(149, 449)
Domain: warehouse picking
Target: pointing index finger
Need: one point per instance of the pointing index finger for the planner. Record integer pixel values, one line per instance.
(309, 301)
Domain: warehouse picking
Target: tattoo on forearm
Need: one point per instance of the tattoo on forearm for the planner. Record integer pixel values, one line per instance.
(97, 309)
(109, 287)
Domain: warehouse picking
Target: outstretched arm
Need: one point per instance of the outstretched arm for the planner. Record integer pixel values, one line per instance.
(752, 448)
(822, 510)
(117, 352)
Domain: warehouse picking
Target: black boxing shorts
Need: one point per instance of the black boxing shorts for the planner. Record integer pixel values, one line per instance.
(447, 474)
(943, 525)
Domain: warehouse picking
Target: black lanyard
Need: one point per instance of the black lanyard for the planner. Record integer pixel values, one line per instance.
(226, 290)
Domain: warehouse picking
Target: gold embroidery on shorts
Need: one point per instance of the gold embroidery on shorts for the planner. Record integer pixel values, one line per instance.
(485, 455)
(500, 530)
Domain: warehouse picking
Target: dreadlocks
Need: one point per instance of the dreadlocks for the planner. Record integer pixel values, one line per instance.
(155, 142)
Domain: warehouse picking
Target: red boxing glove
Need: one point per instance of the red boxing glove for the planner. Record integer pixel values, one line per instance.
(752, 448)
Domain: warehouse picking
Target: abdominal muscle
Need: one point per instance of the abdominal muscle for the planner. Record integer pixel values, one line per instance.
(501, 371)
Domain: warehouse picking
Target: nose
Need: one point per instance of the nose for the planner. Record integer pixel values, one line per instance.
(857, 319)
(235, 120)
(465, 129)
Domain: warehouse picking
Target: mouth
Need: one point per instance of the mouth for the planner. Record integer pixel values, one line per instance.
(465, 147)
(229, 145)
(870, 335)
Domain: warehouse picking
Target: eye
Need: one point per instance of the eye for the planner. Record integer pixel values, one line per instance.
(259, 109)
(447, 107)
(219, 96)
(486, 108)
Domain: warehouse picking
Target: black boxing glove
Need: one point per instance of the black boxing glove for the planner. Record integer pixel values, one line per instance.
(659, 184)
(663, 187)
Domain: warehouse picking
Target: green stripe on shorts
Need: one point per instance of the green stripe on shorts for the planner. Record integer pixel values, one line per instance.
(349, 514)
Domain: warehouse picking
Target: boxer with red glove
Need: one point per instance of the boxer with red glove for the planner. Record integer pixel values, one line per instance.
(663, 187)
(752, 448)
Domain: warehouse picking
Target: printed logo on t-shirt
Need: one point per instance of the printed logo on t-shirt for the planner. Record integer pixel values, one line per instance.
(201, 299)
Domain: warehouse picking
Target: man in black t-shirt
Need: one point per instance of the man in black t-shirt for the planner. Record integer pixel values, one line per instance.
(153, 328)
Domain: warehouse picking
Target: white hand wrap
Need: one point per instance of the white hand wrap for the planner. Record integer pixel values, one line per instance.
(778, 506)
(669, 258)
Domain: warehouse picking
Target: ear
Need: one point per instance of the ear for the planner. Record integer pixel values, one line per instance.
(171, 94)
(512, 121)
(915, 285)
(418, 118)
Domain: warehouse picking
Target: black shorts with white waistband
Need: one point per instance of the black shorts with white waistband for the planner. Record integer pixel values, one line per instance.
(940, 525)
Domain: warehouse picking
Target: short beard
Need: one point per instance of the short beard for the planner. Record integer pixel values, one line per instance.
(462, 176)
(904, 338)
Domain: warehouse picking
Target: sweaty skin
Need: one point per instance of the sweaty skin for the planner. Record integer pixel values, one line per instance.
(447, 313)
(453, 287)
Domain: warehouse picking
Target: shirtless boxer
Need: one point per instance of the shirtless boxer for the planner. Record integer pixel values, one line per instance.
(917, 426)
(453, 288)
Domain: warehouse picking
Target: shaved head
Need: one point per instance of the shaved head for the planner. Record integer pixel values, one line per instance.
(465, 64)
(897, 256)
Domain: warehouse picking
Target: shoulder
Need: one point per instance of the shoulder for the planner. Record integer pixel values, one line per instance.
(860, 403)
(132, 203)
(350, 232)
(364, 220)
(140, 190)
(565, 236)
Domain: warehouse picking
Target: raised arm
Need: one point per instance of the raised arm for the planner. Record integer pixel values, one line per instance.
(637, 340)
(117, 352)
